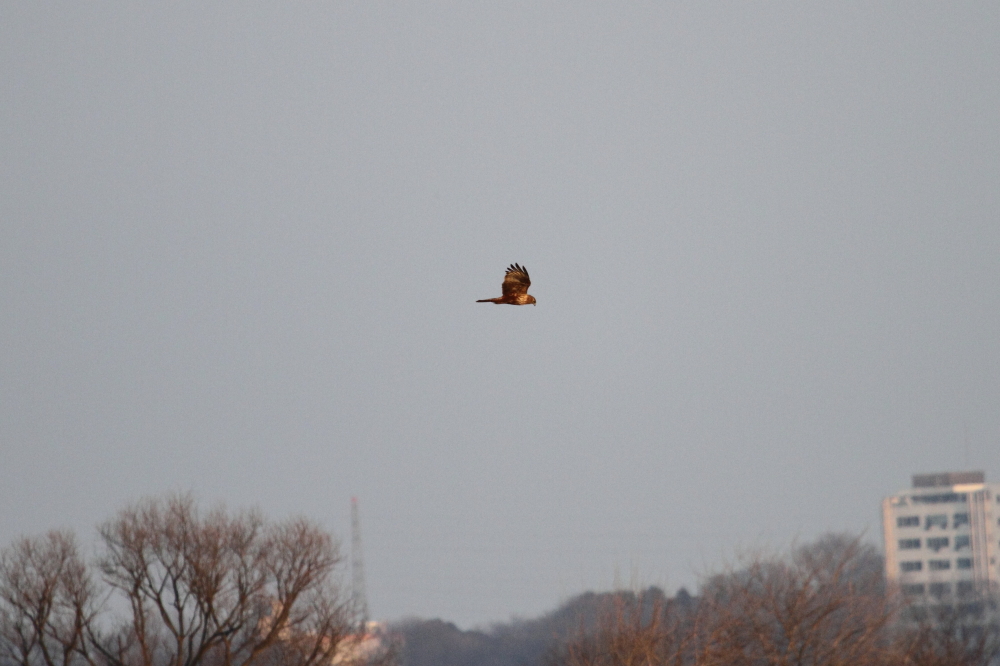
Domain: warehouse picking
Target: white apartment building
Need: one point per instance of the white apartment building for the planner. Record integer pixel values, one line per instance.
(942, 537)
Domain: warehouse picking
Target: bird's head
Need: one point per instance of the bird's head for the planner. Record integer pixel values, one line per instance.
(531, 299)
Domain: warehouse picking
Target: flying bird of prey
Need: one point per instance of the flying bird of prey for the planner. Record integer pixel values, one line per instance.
(515, 288)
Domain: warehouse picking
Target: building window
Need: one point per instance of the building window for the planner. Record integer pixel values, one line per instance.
(908, 544)
(910, 566)
(939, 519)
(913, 589)
(937, 543)
(909, 521)
(965, 588)
(963, 563)
(960, 519)
(961, 542)
(939, 565)
(939, 589)
(938, 499)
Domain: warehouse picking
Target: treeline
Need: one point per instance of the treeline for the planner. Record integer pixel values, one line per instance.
(175, 585)
(823, 604)
(518, 643)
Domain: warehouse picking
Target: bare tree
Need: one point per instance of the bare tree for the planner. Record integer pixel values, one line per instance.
(632, 630)
(219, 588)
(821, 607)
(945, 632)
(47, 600)
(191, 588)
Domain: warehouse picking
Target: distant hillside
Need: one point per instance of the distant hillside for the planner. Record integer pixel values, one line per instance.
(518, 643)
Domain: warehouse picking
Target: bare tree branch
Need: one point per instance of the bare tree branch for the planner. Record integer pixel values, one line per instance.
(47, 600)
(220, 588)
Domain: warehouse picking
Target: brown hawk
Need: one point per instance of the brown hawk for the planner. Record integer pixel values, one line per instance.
(515, 288)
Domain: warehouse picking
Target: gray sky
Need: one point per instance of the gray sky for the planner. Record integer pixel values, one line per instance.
(241, 247)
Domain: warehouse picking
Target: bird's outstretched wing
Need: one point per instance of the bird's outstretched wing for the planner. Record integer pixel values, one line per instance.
(516, 281)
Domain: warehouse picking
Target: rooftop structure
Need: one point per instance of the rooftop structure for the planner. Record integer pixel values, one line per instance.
(947, 479)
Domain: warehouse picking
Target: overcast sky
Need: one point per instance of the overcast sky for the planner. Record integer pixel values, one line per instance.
(241, 244)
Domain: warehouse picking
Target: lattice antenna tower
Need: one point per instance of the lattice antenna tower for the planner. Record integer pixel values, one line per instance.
(358, 597)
